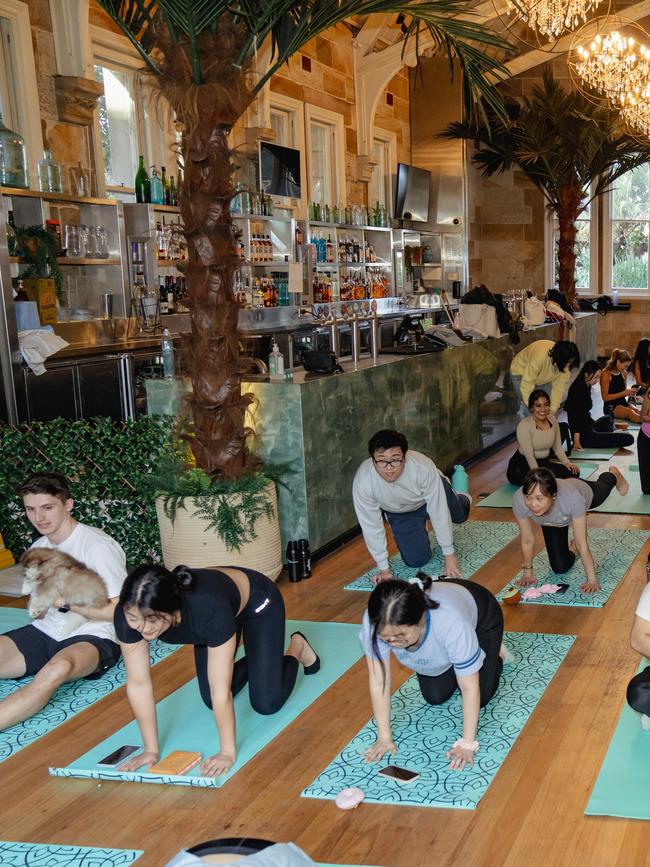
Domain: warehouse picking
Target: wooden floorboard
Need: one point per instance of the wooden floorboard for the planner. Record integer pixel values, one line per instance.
(532, 814)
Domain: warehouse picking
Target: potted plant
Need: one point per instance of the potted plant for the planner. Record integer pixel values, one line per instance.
(202, 57)
(570, 148)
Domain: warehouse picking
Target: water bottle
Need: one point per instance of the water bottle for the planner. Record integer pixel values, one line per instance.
(276, 362)
(293, 562)
(459, 480)
(167, 345)
(304, 557)
(615, 297)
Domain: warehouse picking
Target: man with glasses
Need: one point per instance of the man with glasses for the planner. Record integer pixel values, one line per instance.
(407, 488)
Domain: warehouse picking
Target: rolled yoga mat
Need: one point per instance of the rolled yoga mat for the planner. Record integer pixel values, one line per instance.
(423, 733)
(69, 699)
(475, 542)
(621, 788)
(502, 497)
(185, 723)
(613, 552)
(51, 855)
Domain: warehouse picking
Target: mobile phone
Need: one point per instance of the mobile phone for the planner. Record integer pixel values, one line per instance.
(561, 588)
(400, 775)
(178, 762)
(118, 755)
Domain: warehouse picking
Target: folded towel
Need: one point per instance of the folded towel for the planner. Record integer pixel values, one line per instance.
(37, 345)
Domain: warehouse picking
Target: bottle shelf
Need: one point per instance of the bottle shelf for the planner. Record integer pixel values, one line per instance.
(64, 260)
(167, 209)
(256, 217)
(324, 266)
(170, 263)
(348, 226)
(56, 197)
(266, 264)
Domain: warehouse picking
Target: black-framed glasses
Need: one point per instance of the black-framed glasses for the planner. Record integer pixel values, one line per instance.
(384, 464)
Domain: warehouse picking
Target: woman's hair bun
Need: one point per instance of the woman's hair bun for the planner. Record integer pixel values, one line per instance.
(184, 577)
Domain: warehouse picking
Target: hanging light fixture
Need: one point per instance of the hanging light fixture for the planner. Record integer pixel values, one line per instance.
(551, 18)
(615, 66)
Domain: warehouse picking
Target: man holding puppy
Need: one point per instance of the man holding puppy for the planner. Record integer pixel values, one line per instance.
(40, 649)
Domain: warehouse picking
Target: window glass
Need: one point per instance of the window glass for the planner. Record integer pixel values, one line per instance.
(117, 125)
(8, 95)
(282, 126)
(378, 187)
(629, 254)
(631, 195)
(322, 164)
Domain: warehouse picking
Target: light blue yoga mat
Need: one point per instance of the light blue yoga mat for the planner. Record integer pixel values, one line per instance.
(68, 700)
(475, 542)
(502, 497)
(623, 784)
(613, 552)
(185, 723)
(633, 503)
(594, 454)
(423, 733)
(51, 855)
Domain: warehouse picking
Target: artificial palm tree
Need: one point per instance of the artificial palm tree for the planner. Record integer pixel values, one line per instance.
(572, 149)
(201, 54)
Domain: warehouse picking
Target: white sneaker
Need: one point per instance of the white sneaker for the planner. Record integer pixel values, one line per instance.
(645, 722)
(506, 655)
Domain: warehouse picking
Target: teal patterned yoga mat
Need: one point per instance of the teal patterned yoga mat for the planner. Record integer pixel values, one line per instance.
(423, 733)
(613, 552)
(502, 497)
(621, 788)
(68, 700)
(185, 723)
(51, 855)
(475, 542)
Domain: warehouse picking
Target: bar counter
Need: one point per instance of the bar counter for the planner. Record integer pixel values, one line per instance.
(451, 405)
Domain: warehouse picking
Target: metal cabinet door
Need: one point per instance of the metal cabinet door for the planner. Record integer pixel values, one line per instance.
(51, 395)
(100, 389)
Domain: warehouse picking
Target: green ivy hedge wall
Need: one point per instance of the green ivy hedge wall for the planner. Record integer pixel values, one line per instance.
(108, 465)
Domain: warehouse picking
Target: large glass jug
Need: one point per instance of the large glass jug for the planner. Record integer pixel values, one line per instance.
(13, 159)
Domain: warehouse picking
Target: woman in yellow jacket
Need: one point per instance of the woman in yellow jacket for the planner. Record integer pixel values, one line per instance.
(545, 363)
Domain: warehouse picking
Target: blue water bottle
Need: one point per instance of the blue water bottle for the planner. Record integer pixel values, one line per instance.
(460, 480)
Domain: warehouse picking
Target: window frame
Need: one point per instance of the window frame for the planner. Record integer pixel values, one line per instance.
(608, 221)
(336, 122)
(389, 141)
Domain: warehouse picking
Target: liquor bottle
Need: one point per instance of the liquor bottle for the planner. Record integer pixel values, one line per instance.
(167, 346)
(299, 236)
(161, 243)
(163, 296)
(156, 188)
(170, 294)
(142, 188)
(165, 186)
(173, 198)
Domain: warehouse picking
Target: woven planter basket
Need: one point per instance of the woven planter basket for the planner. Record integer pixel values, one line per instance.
(186, 541)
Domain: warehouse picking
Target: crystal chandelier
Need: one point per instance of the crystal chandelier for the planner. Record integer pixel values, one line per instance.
(615, 66)
(552, 17)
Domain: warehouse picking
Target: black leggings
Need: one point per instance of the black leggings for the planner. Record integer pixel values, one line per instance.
(557, 538)
(638, 691)
(489, 631)
(598, 437)
(518, 468)
(643, 451)
(270, 674)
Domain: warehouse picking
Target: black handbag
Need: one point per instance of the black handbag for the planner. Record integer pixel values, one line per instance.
(320, 361)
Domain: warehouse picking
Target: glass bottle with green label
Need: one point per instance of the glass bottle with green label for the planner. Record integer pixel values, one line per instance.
(142, 188)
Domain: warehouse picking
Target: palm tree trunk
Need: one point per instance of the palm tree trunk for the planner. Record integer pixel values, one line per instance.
(219, 432)
(567, 214)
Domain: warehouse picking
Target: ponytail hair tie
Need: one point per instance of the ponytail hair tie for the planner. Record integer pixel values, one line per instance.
(417, 580)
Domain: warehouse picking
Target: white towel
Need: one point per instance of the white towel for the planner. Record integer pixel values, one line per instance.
(37, 345)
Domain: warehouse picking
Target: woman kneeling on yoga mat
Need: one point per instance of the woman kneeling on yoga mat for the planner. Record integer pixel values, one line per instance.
(449, 632)
(555, 505)
(210, 609)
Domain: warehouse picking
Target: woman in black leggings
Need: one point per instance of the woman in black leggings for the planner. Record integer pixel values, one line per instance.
(210, 609)
(555, 505)
(587, 432)
(449, 632)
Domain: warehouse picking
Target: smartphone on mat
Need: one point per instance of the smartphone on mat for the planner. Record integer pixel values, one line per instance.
(561, 588)
(400, 775)
(118, 755)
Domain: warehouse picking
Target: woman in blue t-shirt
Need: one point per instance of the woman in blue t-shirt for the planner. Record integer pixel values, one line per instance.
(449, 632)
(210, 609)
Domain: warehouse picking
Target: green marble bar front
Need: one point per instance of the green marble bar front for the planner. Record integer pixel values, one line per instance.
(450, 405)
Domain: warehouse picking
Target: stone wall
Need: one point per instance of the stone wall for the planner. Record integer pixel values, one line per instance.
(624, 330)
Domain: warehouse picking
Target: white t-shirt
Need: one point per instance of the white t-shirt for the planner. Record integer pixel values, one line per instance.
(643, 605)
(449, 639)
(97, 551)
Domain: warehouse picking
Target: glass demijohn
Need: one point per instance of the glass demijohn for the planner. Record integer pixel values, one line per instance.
(49, 174)
(13, 159)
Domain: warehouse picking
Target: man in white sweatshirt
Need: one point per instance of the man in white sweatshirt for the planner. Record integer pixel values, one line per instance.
(407, 487)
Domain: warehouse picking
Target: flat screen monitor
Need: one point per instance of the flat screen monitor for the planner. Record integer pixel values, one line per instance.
(279, 170)
(412, 193)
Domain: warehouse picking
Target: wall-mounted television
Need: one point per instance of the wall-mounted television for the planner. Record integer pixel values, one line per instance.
(412, 189)
(279, 170)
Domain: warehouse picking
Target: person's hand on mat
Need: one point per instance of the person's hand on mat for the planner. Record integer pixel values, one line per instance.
(575, 469)
(379, 749)
(217, 765)
(527, 579)
(144, 759)
(459, 757)
(382, 575)
(590, 587)
(452, 566)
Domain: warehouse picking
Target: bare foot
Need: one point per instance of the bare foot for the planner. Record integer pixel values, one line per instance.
(302, 650)
(572, 547)
(621, 483)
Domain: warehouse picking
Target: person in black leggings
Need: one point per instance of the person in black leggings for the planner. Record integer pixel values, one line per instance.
(588, 432)
(555, 505)
(210, 609)
(449, 632)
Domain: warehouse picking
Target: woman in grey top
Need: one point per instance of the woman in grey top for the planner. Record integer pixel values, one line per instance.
(555, 505)
(449, 632)
(537, 436)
